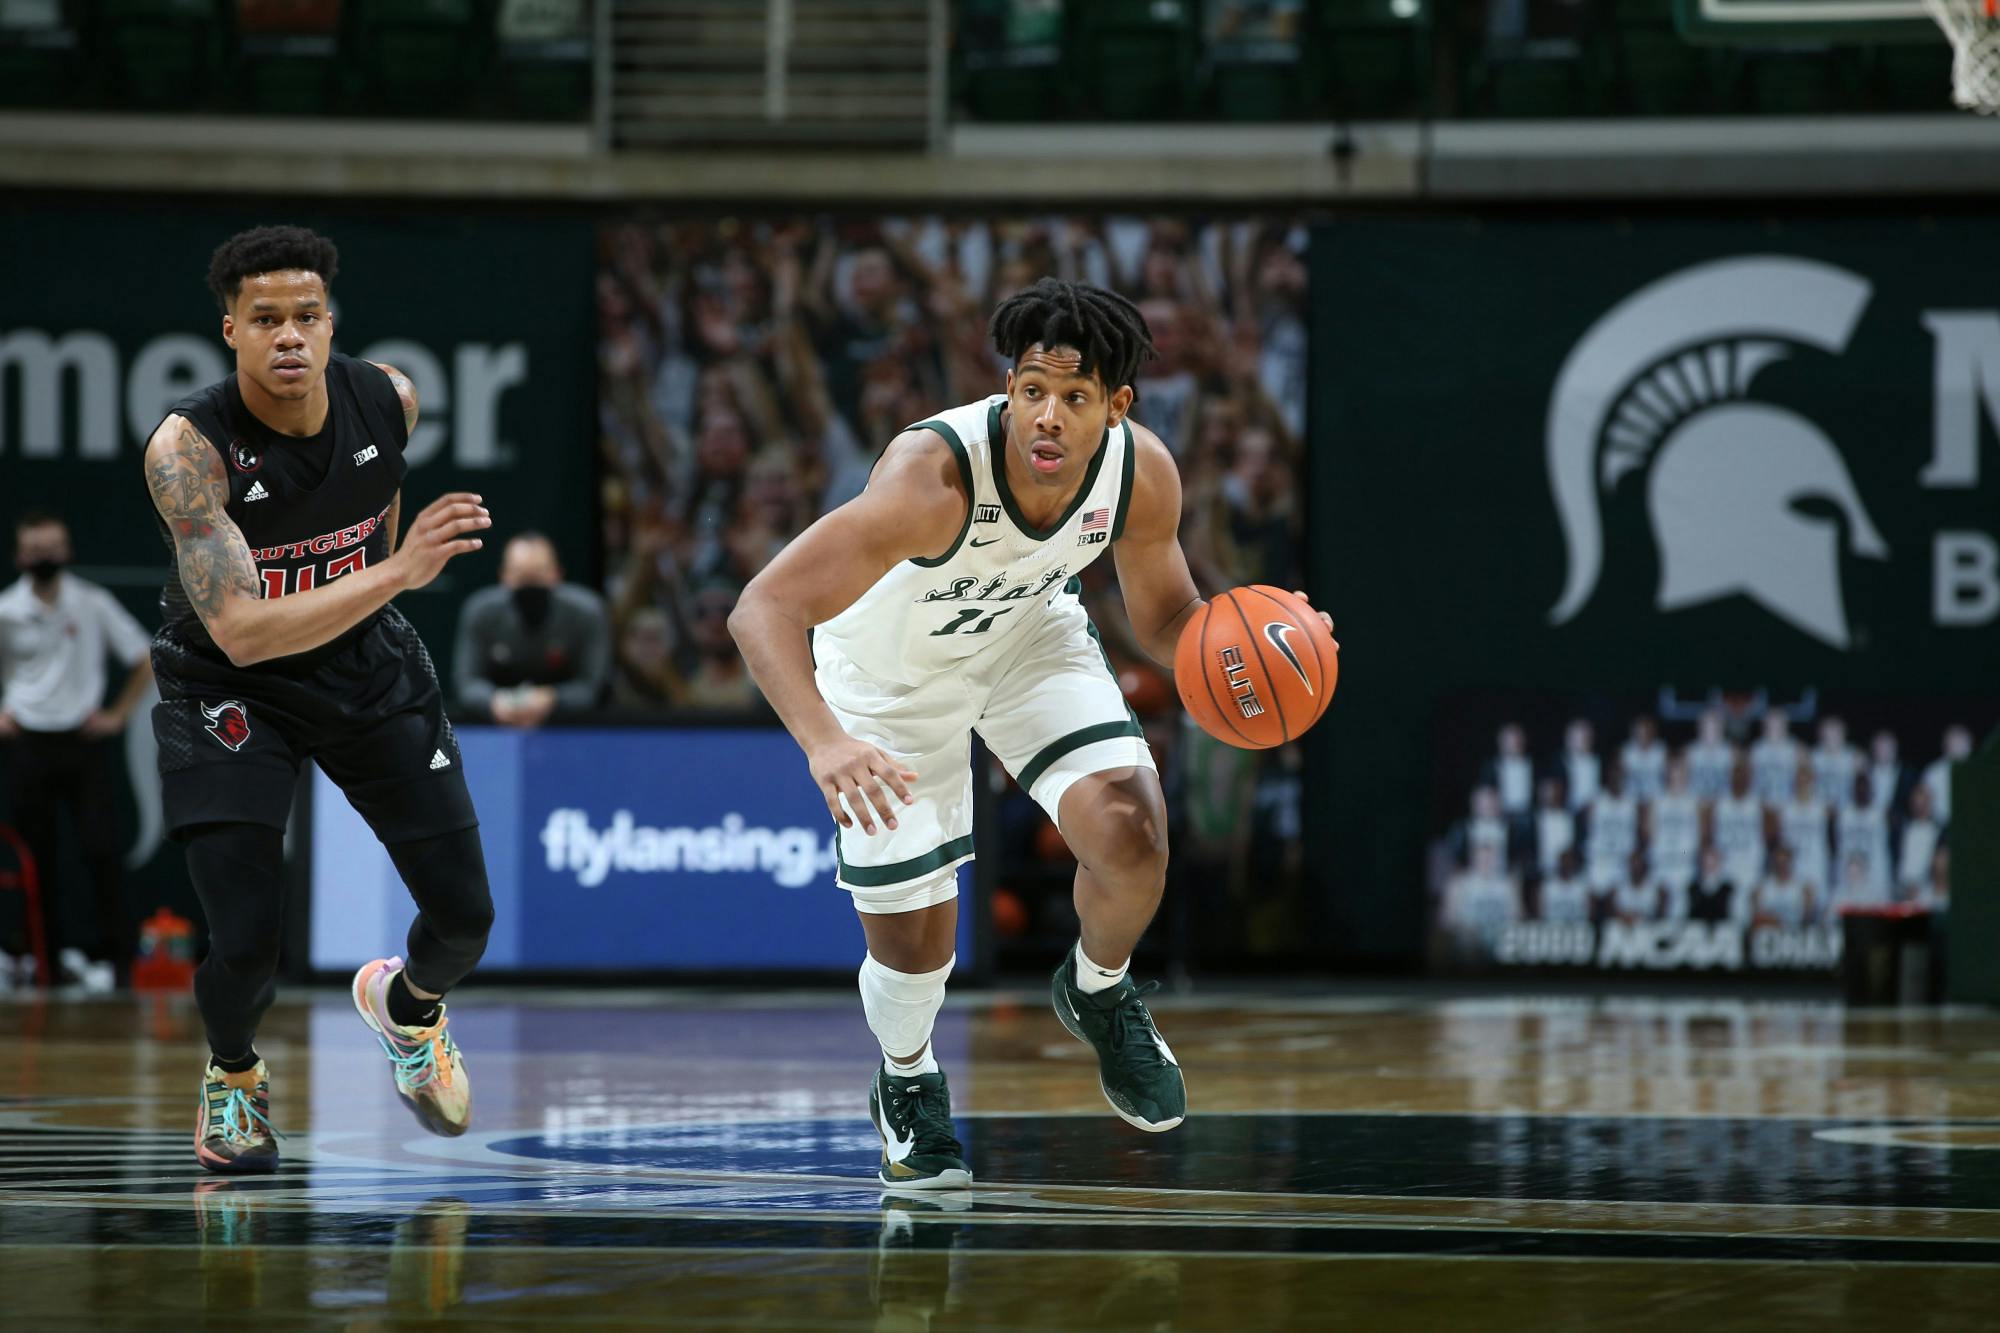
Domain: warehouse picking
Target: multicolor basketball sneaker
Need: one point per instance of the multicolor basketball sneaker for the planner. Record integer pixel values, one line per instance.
(232, 1127)
(912, 1113)
(430, 1073)
(1135, 1068)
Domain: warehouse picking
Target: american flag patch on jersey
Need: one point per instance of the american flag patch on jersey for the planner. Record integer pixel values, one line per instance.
(1096, 519)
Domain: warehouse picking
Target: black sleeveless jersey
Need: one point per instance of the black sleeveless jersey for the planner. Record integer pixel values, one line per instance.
(311, 509)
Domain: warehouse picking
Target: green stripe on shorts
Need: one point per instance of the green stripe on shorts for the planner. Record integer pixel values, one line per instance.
(874, 877)
(1076, 740)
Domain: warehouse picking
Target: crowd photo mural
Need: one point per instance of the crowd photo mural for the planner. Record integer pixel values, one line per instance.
(752, 370)
(1726, 830)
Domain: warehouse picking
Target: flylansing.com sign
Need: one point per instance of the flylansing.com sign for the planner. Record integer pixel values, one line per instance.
(790, 858)
(70, 385)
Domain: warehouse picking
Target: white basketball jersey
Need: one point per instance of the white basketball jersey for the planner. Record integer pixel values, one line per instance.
(1804, 830)
(1739, 836)
(1676, 837)
(1003, 573)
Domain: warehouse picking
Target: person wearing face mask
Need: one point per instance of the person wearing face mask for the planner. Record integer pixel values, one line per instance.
(532, 645)
(56, 631)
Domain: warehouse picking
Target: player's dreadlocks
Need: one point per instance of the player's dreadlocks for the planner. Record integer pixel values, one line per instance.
(268, 250)
(1104, 327)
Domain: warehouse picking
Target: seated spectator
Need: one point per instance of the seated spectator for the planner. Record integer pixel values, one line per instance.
(1921, 837)
(647, 676)
(1565, 897)
(533, 644)
(1782, 901)
(1711, 897)
(719, 680)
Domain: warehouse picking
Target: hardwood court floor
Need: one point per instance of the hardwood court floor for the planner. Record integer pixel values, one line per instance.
(676, 1158)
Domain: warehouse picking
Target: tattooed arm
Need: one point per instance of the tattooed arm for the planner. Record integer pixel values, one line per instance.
(190, 488)
(406, 394)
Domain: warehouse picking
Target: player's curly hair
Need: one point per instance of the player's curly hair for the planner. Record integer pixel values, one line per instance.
(1104, 327)
(268, 250)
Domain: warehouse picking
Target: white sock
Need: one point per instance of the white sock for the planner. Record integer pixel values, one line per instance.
(1093, 977)
(923, 1064)
(901, 1008)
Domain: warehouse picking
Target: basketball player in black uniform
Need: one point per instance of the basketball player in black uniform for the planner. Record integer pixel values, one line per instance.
(279, 493)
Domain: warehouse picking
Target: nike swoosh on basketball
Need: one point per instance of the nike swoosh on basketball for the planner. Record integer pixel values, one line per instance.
(988, 542)
(1276, 631)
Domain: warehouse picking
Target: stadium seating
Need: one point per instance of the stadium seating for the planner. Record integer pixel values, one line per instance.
(288, 55)
(40, 53)
(1009, 59)
(1376, 61)
(542, 62)
(419, 56)
(1272, 74)
(161, 53)
(1136, 59)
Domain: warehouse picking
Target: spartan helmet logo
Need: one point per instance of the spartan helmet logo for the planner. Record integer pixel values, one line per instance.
(1662, 379)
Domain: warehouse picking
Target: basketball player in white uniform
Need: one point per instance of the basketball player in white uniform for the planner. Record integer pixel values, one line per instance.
(1675, 830)
(1862, 829)
(943, 600)
(1736, 824)
(1804, 824)
(1774, 760)
(1710, 759)
(1614, 831)
(1782, 899)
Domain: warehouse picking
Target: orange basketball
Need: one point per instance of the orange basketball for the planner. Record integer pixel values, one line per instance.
(1256, 667)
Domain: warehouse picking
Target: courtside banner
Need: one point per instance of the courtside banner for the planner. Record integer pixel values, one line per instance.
(618, 850)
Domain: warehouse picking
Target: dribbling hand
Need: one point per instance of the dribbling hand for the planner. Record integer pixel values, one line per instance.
(859, 771)
(438, 534)
(1322, 615)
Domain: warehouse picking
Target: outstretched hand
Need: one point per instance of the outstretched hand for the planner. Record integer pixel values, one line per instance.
(439, 533)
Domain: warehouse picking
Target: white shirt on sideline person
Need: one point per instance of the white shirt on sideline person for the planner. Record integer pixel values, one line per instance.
(52, 657)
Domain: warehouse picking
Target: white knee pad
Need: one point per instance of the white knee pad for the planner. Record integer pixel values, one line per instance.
(901, 1006)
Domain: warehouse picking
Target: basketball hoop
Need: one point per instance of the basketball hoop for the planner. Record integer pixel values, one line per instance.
(1974, 29)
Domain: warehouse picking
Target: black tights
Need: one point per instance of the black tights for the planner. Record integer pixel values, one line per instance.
(238, 873)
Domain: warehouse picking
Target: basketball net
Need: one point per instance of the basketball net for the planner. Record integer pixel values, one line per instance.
(1974, 29)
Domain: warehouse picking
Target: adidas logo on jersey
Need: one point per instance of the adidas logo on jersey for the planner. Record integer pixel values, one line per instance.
(256, 492)
(439, 760)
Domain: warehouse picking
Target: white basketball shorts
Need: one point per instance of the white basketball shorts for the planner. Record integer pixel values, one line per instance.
(1048, 707)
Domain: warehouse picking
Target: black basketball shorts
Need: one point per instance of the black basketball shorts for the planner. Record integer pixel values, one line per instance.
(371, 714)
